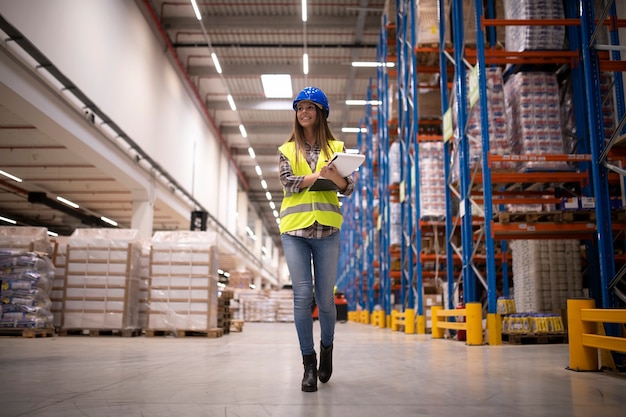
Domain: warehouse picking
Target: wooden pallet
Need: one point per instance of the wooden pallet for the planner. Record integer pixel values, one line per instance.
(236, 325)
(27, 333)
(210, 333)
(100, 332)
(534, 338)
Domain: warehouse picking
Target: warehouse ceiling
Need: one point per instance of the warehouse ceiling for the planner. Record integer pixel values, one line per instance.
(249, 38)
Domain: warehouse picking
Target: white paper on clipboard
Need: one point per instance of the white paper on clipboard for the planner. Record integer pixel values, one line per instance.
(346, 163)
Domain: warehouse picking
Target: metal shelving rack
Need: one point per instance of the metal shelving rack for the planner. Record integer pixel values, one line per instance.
(383, 226)
(591, 167)
(596, 60)
(411, 242)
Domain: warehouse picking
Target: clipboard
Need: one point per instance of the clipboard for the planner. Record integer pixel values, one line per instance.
(345, 164)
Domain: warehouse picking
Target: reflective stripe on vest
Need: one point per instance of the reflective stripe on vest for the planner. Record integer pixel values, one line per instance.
(300, 210)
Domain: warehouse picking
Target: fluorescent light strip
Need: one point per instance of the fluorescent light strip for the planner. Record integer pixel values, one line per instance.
(264, 184)
(196, 10)
(53, 234)
(109, 221)
(363, 102)
(6, 219)
(353, 129)
(373, 64)
(67, 202)
(218, 67)
(242, 129)
(268, 195)
(304, 11)
(272, 205)
(251, 152)
(305, 63)
(258, 170)
(275, 213)
(13, 177)
(231, 102)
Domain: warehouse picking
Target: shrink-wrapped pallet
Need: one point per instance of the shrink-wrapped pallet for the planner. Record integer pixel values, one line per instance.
(102, 280)
(183, 281)
(25, 283)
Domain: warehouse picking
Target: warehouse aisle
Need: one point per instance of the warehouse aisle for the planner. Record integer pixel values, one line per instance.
(257, 373)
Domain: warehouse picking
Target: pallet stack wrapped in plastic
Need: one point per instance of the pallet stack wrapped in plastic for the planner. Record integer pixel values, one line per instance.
(528, 38)
(57, 294)
(183, 282)
(26, 277)
(102, 282)
(25, 284)
(432, 180)
(498, 125)
(545, 274)
(534, 115)
(144, 283)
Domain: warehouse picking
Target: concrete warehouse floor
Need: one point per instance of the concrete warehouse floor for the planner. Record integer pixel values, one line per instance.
(257, 372)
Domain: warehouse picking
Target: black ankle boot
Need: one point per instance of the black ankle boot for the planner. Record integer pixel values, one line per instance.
(326, 362)
(309, 380)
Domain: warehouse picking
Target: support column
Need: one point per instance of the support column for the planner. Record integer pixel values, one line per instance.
(143, 213)
(242, 214)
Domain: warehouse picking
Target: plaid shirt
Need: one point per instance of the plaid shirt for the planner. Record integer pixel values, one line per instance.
(292, 183)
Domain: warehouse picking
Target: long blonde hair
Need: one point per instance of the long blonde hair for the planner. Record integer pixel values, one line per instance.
(323, 135)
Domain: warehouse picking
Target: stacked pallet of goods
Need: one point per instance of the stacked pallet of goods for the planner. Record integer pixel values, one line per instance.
(183, 297)
(102, 283)
(26, 276)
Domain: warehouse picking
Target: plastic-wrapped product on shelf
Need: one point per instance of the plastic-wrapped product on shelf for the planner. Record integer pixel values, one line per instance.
(25, 284)
(394, 163)
(432, 180)
(529, 38)
(534, 117)
(545, 274)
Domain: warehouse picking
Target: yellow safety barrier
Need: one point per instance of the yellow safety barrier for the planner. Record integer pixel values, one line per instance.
(403, 320)
(397, 320)
(583, 320)
(378, 318)
(473, 325)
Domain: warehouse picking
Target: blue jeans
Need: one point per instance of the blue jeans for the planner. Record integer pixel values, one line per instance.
(324, 253)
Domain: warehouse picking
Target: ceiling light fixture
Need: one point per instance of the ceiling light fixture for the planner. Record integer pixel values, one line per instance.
(258, 170)
(363, 102)
(373, 64)
(277, 85)
(67, 202)
(251, 152)
(304, 11)
(242, 129)
(218, 67)
(268, 195)
(353, 129)
(305, 63)
(272, 205)
(196, 10)
(231, 102)
(275, 213)
(51, 233)
(264, 184)
(13, 177)
(109, 221)
(6, 219)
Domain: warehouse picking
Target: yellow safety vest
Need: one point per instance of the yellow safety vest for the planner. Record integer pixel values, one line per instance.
(300, 210)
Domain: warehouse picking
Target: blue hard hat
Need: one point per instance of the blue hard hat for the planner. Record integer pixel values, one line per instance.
(314, 95)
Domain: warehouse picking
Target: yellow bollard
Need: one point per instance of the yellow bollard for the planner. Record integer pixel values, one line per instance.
(409, 321)
(474, 321)
(421, 324)
(581, 358)
(494, 329)
(437, 333)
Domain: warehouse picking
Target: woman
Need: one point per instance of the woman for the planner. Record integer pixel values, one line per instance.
(309, 225)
